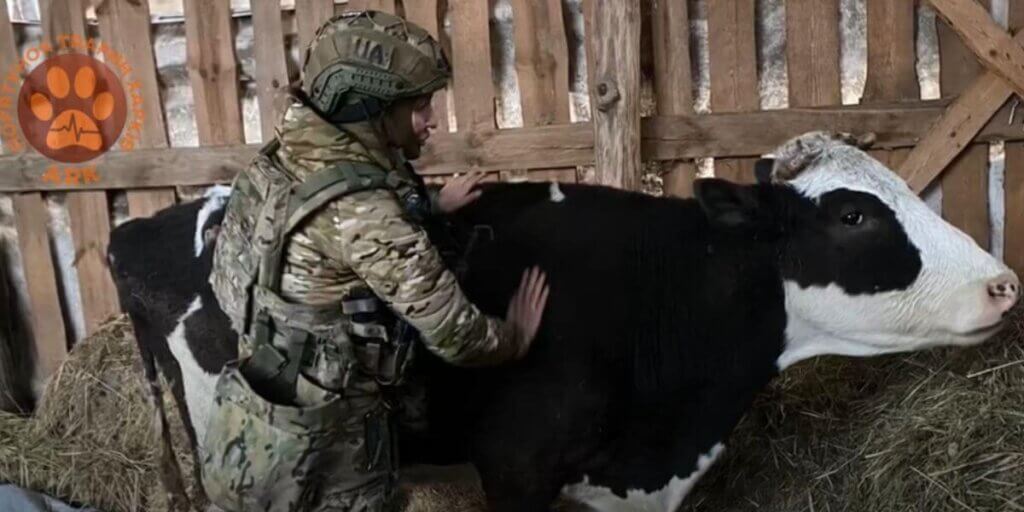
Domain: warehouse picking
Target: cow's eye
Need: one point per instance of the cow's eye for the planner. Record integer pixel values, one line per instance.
(852, 218)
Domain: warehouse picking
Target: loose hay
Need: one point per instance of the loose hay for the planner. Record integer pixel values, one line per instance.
(91, 441)
(941, 430)
(932, 431)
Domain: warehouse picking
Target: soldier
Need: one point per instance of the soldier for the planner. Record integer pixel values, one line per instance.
(326, 274)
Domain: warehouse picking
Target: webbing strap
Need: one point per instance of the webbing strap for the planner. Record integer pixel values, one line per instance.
(330, 183)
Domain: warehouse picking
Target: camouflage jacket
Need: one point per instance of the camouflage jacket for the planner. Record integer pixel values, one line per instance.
(365, 239)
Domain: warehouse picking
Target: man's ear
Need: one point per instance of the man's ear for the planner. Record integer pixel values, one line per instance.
(729, 204)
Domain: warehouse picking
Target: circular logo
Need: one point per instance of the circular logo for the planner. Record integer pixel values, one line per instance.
(72, 108)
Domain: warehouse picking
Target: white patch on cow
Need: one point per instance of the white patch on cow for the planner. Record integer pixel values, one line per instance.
(199, 385)
(666, 499)
(216, 196)
(556, 193)
(947, 304)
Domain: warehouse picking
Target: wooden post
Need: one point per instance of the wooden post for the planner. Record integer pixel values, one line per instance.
(125, 27)
(309, 15)
(965, 181)
(812, 53)
(733, 70)
(471, 56)
(614, 36)
(214, 72)
(271, 69)
(673, 85)
(425, 14)
(87, 210)
(49, 346)
(891, 60)
(1013, 187)
(542, 66)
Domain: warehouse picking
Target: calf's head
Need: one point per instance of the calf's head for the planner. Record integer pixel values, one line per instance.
(867, 267)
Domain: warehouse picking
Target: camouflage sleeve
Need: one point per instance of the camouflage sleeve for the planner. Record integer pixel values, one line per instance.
(366, 232)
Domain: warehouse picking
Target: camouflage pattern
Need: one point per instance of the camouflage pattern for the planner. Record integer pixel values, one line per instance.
(371, 54)
(314, 453)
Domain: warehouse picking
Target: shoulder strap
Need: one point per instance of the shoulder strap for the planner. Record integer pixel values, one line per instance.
(331, 183)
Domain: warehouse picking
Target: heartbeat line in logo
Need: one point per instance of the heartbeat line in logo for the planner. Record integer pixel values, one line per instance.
(72, 127)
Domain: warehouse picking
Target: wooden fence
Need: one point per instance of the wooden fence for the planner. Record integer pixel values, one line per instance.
(920, 138)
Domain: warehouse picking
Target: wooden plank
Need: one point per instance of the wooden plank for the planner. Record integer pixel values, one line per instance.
(471, 56)
(48, 334)
(743, 134)
(733, 71)
(213, 70)
(425, 14)
(88, 211)
(965, 181)
(271, 67)
(125, 26)
(891, 53)
(615, 93)
(970, 112)
(673, 84)
(891, 56)
(376, 5)
(49, 345)
(542, 66)
(812, 53)
(309, 15)
(989, 42)
(1013, 186)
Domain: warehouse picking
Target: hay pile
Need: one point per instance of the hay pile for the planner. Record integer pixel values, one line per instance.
(91, 441)
(941, 430)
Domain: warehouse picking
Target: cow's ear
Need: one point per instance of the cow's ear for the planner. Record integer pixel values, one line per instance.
(728, 204)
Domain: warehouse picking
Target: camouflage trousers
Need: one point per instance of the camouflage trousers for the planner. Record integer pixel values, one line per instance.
(329, 453)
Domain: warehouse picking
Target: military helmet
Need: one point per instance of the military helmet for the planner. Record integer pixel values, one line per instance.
(370, 55)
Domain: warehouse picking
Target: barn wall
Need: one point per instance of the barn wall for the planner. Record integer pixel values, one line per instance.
(176, 93)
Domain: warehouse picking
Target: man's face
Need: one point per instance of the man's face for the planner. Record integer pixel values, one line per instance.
(423, 121)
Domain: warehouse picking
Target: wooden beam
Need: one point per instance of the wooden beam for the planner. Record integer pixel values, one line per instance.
(542, 66)
(615, 93)
(673, 84)
(213, 70)
(125, 26)
(812, 53)
(471, 56)
(965, 181)
(989, 42)
(742, 134)
(733, 71)
(965, 117)
(271, 63)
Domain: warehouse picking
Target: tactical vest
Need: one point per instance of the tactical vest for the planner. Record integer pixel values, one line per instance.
(267, 203)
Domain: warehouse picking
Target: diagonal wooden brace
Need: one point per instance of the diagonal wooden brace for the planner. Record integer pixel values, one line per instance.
(970, 112)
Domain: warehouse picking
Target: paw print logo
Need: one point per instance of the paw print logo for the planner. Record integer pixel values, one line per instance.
(72, 108)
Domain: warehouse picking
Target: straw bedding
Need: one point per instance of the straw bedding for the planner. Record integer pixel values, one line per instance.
(938, 430)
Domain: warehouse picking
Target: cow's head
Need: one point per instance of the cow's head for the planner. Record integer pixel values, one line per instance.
(867, 267)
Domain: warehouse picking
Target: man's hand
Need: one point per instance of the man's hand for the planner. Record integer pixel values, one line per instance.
(459, 192)
(527, 307)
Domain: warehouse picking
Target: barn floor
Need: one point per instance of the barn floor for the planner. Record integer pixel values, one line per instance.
(939, 430)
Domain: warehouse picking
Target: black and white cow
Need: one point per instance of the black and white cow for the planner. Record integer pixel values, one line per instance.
(665, 319)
